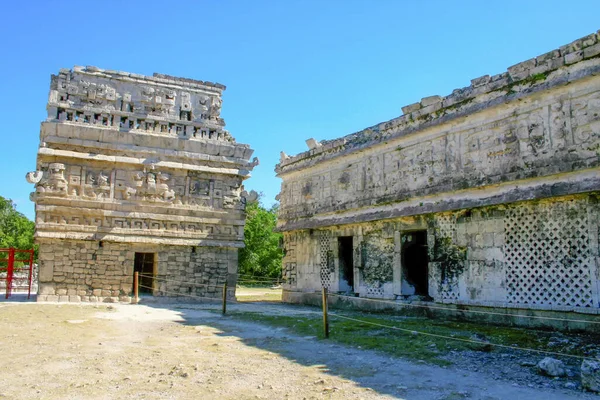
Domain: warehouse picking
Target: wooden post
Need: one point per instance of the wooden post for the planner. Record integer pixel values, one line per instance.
(136, 280)
(224, 298)
(325, 321)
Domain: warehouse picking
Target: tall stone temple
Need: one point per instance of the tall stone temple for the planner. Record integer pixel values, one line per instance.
(137, 173)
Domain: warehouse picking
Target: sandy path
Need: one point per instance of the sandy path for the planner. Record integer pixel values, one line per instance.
(159, 352)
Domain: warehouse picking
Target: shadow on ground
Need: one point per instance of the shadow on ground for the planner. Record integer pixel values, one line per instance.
(379, 372)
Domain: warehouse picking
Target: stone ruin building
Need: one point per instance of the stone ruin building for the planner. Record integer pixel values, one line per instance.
(486, 197)
(137, 173)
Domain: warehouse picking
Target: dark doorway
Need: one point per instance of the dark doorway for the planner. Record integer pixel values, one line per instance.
(415, 262)
(345, 251)
(144, 265)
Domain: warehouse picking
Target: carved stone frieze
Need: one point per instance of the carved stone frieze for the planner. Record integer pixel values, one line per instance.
(146, 186)
(125, 223)
(54, 181)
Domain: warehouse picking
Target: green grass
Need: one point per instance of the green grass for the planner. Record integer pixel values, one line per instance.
(416, 346)
(257, 293)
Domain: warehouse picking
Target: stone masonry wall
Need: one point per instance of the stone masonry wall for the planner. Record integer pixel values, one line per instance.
(84, 271)
(201, 272)
(537, 254)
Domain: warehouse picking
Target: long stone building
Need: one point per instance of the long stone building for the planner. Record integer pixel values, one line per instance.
(137, 173)
(485, 197)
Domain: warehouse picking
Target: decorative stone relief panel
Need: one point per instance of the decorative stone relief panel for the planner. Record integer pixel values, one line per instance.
(152, 186)
(585, 123)
(289, 272)
(53, 181)
(100, 91)
(145, 185)
(377, 263)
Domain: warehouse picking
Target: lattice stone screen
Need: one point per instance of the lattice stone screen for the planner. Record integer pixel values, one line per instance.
(547, 253)
(325, 259)
(446, 224)
(375, 292)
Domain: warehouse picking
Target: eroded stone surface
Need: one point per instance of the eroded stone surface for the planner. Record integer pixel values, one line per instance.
(136, 164)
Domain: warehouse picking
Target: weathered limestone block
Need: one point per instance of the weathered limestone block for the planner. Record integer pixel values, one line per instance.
(480, 81)
(428, 101)
(411, 108)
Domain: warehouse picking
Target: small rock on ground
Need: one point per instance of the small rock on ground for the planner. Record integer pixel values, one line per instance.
(551, 367)
(590, 375)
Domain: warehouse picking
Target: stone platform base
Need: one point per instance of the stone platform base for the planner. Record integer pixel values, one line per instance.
(576, 319)
(81, 299)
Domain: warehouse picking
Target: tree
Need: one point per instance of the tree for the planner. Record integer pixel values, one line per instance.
(262, 255)
(15, 229)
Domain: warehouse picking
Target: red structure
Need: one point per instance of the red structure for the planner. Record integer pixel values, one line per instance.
(7, 266)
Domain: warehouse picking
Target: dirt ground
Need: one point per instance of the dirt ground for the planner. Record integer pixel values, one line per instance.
(160, 351)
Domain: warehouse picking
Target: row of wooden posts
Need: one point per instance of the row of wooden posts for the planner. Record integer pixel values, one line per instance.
(224, 310)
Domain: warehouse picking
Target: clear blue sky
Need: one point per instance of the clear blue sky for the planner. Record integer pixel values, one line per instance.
(293, 69)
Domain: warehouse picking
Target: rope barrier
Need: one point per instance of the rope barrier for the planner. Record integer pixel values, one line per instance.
(460, 339)
(251, 281)
(411, 331)
(249, 278)
(179, 294)
(258, 279)
(176, 281)
(432, 307)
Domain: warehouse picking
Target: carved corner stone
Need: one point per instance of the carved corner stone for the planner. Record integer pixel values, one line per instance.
(34, 177)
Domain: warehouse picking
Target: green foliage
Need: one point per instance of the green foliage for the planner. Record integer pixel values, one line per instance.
(15, 229)
(262, 255)
(450, 256)
(377, 260)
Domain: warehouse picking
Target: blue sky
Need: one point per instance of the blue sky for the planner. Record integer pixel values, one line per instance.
(293, 69)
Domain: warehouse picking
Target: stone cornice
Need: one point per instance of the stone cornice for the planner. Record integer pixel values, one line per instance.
(99, 209)
(529, 189)
(142, 162)
(143, 151)
(156, 78)
(40, 236)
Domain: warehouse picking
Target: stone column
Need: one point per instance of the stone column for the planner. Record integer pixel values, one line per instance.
(397, 277)
(358, 259)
